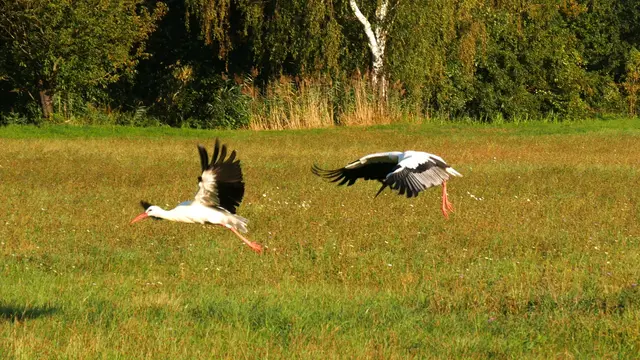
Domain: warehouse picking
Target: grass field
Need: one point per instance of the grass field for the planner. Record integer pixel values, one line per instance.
(541, 258)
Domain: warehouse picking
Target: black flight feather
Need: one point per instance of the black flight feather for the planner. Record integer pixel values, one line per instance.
(216, 149)
(204, 157)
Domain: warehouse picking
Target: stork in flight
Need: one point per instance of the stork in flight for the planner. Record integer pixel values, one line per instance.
(408, 172)
(220, 191)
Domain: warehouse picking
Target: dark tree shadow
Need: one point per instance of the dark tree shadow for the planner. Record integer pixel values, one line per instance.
(21, 313)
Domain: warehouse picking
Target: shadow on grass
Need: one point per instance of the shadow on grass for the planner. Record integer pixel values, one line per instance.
(21, 313)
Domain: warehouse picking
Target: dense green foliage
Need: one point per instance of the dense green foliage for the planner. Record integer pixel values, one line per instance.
(70, 49)
(210, 63)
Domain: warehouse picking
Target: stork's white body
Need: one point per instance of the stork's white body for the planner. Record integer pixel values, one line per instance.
(196, 213)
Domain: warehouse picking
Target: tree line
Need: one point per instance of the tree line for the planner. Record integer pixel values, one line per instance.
(278, 63)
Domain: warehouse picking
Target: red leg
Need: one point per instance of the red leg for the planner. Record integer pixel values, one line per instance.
(449, 205)
(446, 205)
(253, 245)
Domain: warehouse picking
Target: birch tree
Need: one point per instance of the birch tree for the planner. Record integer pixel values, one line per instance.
(377, 42)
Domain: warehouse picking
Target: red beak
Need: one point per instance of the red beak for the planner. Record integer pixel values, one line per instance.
(142, 216)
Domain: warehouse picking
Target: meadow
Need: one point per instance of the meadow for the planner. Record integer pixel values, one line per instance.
(541, 258)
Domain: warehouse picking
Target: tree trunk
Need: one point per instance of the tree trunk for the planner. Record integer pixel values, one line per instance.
(378, 77)
(46, 101)
(377, 44)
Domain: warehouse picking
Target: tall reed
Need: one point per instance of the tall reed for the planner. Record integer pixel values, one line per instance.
(299, 103)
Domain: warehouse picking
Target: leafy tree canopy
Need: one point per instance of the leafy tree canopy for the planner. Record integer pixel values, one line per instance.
(56, 45)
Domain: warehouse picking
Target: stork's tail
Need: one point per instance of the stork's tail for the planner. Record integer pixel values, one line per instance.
(239, 223)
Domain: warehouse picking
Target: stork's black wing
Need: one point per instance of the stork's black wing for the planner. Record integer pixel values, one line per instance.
(349, 176)
(221, 182)
(370, 167)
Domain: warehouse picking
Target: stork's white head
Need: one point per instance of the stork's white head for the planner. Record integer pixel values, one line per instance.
(150, 211)
(153, 210)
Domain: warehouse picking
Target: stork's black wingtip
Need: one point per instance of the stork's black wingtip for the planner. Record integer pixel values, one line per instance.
(318, 171)
(204, 157)
(384, 186)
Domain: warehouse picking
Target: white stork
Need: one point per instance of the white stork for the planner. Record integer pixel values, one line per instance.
(220, 191)
(408, 172)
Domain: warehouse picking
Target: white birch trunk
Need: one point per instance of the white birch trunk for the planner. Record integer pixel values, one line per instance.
(377, 43)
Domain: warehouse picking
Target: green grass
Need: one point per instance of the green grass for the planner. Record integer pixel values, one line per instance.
(539, 260)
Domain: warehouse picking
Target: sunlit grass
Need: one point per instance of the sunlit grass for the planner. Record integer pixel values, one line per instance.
(540, 258)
